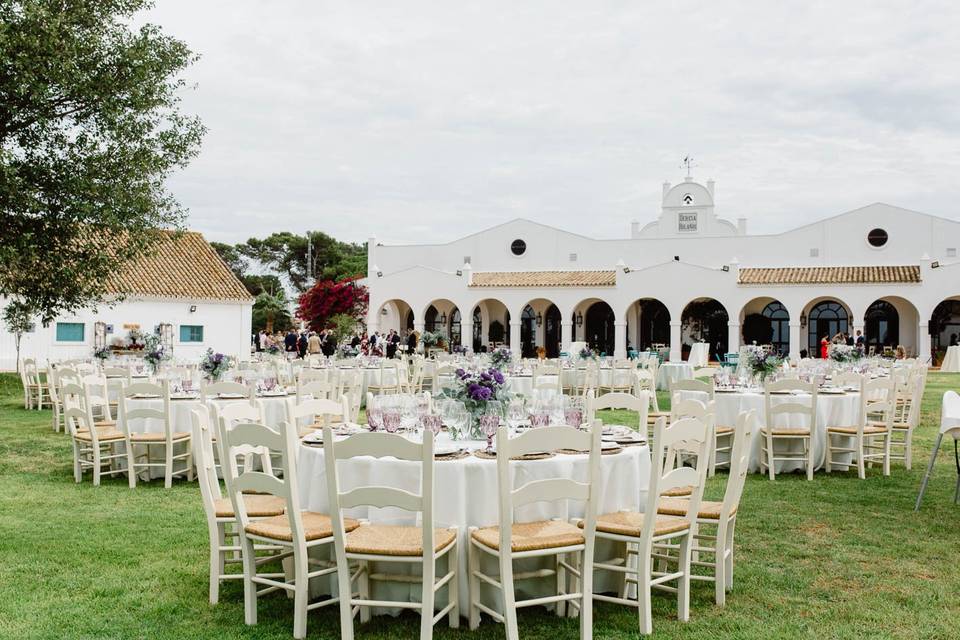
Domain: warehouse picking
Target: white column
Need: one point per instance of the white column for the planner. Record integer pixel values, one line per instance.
(620, 340)
(924, 342)
(566, 335)
(675, 341)
(733, 338)
(466, 334)
(795, 341)
(515, 345)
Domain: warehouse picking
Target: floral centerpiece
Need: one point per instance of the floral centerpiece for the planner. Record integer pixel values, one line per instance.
(348, 351)
(274, 349)
(135, 339)
(475, 389)
(460, 350)
(214, 365)
(430, 340)
(154, 352)
(843, 353)
(501, 358)
(102, 353)
(761, 362)
(588, 354)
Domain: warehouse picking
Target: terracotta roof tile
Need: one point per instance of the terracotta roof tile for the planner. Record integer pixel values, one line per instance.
(183, 265)
(831, 275)
(544, 279)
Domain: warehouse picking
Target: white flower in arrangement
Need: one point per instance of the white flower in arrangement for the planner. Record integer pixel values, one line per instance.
(843, 353)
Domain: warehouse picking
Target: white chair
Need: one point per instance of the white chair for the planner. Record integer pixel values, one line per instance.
(722, 515)
(874, 421)
(422, 545)
(909, 394)
(443, 376)
(949, 425)
(591, 378)
(322, 412)
(804, 407)
(165, 440)
(693, 384)
(388, 378)
(296, 531)
(93, 448)
(226, 391)
(316, 389)
(638, 403)
(623, 378)
(572, 546)
(548, 375)
(350, 386)
(37, 387)
(221, 520)
(637, 533)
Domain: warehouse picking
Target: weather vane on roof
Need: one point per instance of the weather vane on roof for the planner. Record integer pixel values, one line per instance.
(688, 163)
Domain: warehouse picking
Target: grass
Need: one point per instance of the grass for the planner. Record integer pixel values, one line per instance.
(832, 558)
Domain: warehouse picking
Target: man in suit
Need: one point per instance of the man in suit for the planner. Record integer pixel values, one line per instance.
(290, 341)
(412, 342)
(302, 344)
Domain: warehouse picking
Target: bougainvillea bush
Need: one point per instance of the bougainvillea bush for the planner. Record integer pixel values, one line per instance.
(328, 298)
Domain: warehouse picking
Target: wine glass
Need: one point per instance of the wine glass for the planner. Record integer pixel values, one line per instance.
(573, 411)
(516, 413)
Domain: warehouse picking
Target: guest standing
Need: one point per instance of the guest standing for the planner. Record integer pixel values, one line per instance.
(290, 341)
(824, 347)
(314, 345)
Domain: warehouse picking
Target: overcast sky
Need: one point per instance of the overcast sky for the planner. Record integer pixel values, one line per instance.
(419, 121)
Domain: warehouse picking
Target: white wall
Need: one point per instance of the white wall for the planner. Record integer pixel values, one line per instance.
(227, 328)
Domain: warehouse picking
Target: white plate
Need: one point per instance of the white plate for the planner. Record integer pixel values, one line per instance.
(445, 449)
(230, 396)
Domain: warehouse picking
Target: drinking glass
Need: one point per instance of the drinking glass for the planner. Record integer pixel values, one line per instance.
(432, 422)
(516, 413)
(573, 411)
(391, 420)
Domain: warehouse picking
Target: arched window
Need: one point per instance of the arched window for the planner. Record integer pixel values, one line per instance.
(551, 331)
(528, 332)
(945, 326)
(477, 329)
(779, 326)
(827, 318)
(430, 319)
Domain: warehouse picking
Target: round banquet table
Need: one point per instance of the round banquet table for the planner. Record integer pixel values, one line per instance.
(951, 361)
(833, 410)
(465, 495)
(670, 372)
(180, 408)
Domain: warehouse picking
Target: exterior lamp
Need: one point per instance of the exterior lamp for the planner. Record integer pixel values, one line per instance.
(442, 319)
(193, 308)
(803, 319)
(539, 318)
(579, 319)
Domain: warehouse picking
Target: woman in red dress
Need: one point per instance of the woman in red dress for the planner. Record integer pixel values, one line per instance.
(824, 346)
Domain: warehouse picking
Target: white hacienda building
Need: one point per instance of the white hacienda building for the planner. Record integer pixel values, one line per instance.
(688, 276)
(184, 290)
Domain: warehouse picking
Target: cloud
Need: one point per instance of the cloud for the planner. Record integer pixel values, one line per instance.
(423, 121)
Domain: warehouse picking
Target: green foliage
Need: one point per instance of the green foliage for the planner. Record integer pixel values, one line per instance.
(343, 326)
(90, 128)
(271, 311)
(286, 254)
(240, 265)
(18, 319)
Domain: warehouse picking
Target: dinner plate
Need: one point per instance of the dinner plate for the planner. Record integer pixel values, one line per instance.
(145, 396)
(445, 449)
(230, 396)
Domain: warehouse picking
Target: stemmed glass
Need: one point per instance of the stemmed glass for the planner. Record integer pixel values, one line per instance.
(490, 421)
(573, 411)
(375, 414)
(516, 413)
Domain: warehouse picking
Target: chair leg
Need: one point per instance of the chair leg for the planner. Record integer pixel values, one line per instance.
(345, 591)
(363, 588)
(683, 582)
(926, 476)
(509, 602)
(216, 561)
(644, 608)
(131, 466)
(167, 466)
(808, 442)
(908, 453)
(428, 593)
(473, 583)
(585, 586)
(300, 595)
(453, 590)
(861, 470)
(828, 466)
(249, 588)
(561, 586)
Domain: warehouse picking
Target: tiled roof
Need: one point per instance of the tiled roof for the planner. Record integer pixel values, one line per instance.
(182, 265)
(831, 275)
(544, 279)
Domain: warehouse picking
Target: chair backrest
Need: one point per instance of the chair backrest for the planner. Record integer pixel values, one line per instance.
(239, 442)
(443, 375)
(379, 445)
(703, 386)
(693, 435)
(739, 462)
(590, 377)
(704, 372)
(324, 411)
(549, 489)
(617, 400)
(204, 459)
(210, 390)
(950, 414)
(233, 412)
(146, 391)
(97, 394)
(795, 405)
(847, 378)
(309, 374)
(316, 389)
(79, 418)
(122, 373)
(350, 385)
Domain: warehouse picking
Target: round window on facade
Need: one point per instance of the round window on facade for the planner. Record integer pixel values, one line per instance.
(518, 247)
(877, 238)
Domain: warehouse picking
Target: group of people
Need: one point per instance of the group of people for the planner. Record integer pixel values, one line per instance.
(303, 343)
(860, 342)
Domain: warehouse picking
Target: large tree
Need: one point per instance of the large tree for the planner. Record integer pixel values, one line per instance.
(254, 282)
(327, 299)
(286, 253)
(90, 128)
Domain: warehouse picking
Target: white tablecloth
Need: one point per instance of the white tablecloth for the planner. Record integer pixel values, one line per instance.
(699, 355)
(951, 361)
(465, 495)
(832, 411)
(273, 409)
(671, 372)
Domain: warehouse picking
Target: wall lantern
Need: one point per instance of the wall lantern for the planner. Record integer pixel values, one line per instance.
(442, 319)
(539, 318)
(193, 308)
(579, 319)
(803, 319)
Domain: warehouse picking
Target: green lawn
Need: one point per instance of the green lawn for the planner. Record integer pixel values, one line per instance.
(832, 558)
